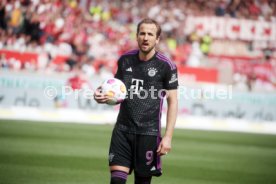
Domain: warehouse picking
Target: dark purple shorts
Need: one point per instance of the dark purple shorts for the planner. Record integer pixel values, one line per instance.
(135, 151)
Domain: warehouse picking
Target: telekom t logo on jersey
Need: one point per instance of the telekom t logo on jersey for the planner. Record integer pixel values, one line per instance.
(136, 85)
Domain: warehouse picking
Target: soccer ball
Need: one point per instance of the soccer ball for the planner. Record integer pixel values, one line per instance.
(115, 89)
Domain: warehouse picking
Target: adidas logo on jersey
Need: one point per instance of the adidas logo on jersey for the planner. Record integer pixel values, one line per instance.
(153, 168)
(173, 78)
(129, 69)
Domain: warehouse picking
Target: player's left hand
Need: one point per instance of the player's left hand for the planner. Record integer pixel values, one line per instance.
(165, 146)
(100, 97)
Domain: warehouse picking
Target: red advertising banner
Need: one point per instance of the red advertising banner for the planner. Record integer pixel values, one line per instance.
(21, 56)
(29, 56)
(200, 74)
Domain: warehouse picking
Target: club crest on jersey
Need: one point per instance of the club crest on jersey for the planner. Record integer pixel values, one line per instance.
(152, 72)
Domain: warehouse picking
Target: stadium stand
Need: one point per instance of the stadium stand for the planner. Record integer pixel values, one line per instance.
(57, 36)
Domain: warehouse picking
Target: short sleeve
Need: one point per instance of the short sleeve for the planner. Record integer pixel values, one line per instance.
(171, 79)
(119, 74)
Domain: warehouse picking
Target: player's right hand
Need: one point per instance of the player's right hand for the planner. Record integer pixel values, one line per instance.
(99, 97)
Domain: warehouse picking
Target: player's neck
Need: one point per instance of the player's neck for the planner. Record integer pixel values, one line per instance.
(146, 56)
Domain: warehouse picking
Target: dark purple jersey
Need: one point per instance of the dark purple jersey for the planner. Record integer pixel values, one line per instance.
(146, 82)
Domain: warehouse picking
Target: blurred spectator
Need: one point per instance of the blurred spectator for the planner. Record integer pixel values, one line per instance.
(3, 24)
(3, 62)
(196, 55)
(220, 8)
(240, 83)
(15, 18)
(79, 80)
(205, 44)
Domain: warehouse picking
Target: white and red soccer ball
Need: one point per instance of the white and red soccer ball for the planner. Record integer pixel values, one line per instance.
(115, 89)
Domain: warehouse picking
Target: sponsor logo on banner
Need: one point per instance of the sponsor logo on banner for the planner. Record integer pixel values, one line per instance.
(230, 28)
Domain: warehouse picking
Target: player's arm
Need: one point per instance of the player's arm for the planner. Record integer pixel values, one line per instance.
(171, 113)
(171, 85)
(165, 145)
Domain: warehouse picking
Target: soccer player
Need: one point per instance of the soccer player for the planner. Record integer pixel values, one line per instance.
(150, 77)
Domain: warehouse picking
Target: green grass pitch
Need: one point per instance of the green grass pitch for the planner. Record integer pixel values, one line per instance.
(59, 153)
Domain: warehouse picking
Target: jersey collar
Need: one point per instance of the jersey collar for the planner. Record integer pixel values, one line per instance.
(149, 59)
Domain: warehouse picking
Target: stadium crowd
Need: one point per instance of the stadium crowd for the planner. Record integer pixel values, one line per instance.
(93, 33)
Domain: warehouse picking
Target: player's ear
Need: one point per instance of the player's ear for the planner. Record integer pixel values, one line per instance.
(157, 40)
